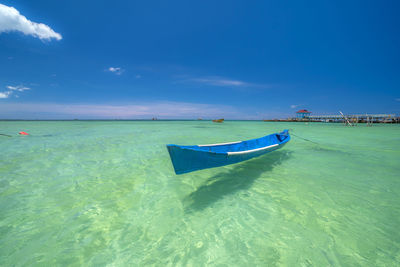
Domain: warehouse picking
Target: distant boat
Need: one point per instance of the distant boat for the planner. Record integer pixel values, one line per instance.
(219, 120)
(192, 158)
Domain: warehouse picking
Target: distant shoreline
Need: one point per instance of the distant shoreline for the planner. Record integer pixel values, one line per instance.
(394, 121)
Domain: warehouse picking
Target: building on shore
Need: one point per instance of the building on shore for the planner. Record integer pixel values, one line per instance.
(303, 114)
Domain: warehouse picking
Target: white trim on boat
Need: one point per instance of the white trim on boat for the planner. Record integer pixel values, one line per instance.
(252, 150)
(221, 144)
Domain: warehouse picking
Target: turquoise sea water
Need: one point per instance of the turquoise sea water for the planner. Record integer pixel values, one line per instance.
(104, 193)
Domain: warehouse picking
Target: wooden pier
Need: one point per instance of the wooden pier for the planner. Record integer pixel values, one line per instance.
(348, 119)
(356, 118)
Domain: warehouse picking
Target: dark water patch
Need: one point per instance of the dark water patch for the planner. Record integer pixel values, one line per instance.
(202, 127)
(319, 148)
(241, 177)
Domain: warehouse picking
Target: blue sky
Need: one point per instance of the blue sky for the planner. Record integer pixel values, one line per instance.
(190, 59)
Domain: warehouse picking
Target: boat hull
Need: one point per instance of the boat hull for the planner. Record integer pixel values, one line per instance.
(192, 158)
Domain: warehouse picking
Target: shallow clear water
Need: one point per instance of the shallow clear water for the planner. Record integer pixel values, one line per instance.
(104, 193)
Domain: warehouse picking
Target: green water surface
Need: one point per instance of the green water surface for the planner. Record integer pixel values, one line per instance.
(97, 193)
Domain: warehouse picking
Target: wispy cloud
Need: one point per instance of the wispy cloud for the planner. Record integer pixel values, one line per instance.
(172, 110)
(218, 81)
(18, 88)
(298, 105)
(223, 82)
(12, 89)
(12, 20)
(397, 99)
(116, 70)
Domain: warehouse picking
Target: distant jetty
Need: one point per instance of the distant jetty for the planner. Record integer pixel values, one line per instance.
(345, 118)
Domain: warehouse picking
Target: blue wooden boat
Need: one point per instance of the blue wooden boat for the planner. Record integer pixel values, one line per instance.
(192, 158)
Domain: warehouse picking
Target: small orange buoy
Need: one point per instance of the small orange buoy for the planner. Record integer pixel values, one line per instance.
(23, 133)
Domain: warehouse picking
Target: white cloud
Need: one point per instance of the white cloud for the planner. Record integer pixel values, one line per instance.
(398, 99)
(12, 90)
(12, 20)
(5, 94)
(138, 76)
(117, 71)
(19, 88)
(114, 69)
(294, 106)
